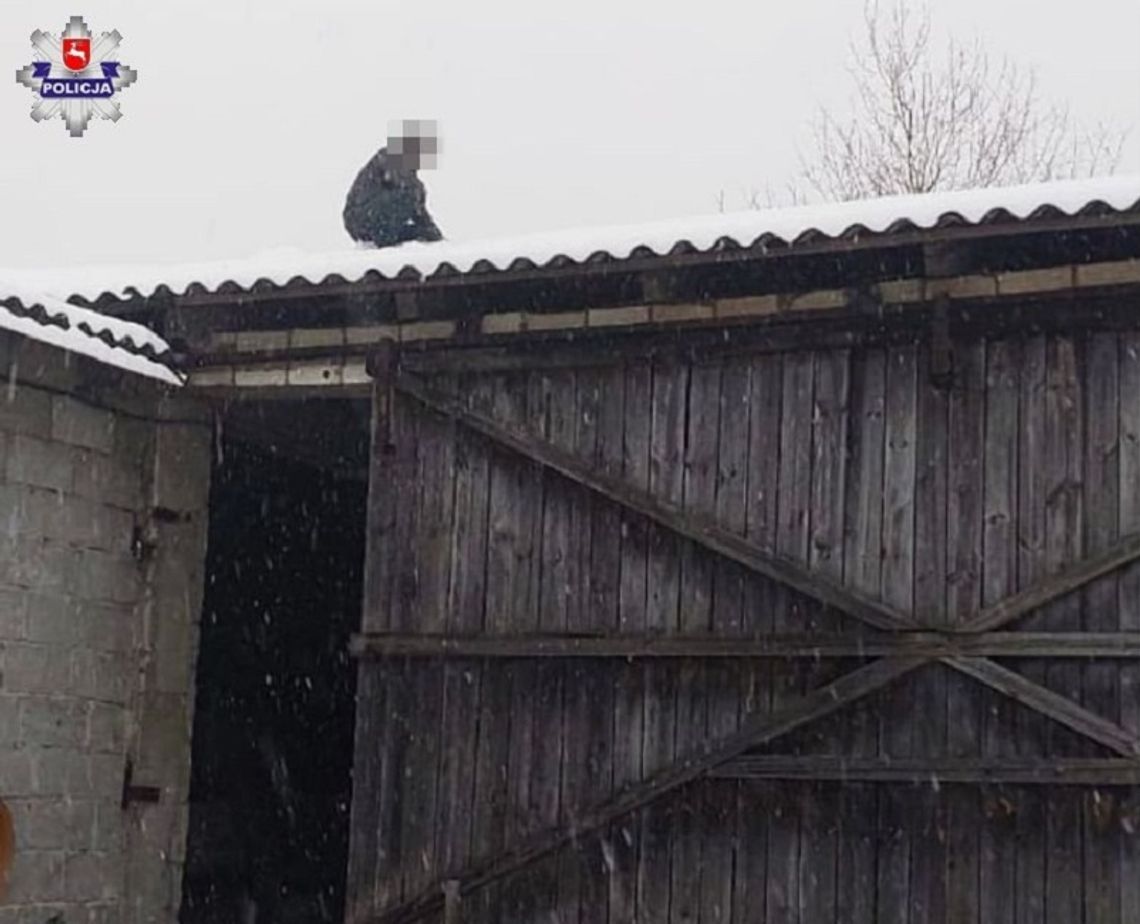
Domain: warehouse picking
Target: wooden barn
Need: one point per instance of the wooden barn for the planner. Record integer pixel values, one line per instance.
(779, 567)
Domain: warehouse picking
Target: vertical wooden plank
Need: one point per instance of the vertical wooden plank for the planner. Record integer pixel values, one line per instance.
(896, 737)
(526, 411)
(573, 428)
(929, 862)
(368, 753)
(963, 598)
(396, 594)
(464, 616)
(1101, 879)
(1031, 491)
(818, 852)
(998, 846)
(1129, 600)
(755, 803)
(630, 683)
(1063, 460)
(666, 478)
(561, 529)
(792, 541)
(602, 616)
(431, 543)
(697, 568)
(862, 563)
(489, 807)
(724, 683)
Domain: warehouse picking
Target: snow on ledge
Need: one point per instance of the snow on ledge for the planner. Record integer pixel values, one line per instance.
(282, 265)
(82, 333)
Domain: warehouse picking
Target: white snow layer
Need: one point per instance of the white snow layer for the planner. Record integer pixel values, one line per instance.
(77, 340)
(832, 219)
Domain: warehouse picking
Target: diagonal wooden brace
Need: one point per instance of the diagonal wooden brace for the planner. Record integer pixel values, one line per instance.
(758, 731)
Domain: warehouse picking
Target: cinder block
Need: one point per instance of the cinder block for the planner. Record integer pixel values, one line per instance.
(50, 619)
(81, 425)
(53, 722)
(182, 467)
(80, 821)
(61, 772)
(34, 562)
(107, 479)
(101, 675)
(24, 409)
(13, 615)
(92, 876)
(109, 577)
(107, 728)
(39, 462)
(30, 668)
(16, 773)
(42, 512)
(41, 824)
(37, 876)
(9, 720)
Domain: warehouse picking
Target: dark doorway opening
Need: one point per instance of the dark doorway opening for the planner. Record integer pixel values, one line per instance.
(274, 710)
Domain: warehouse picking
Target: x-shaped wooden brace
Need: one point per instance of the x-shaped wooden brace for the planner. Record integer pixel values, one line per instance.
(760, 730)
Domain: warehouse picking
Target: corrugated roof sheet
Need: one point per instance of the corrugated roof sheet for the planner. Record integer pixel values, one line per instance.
(759, 231)
(111, 341)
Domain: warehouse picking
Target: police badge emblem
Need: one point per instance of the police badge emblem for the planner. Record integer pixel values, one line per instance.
(74, 77)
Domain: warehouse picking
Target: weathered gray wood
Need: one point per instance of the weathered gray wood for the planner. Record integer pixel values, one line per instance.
(929, 861)
(1029, 822)
(998, 844)
(1128, 855)
(753, 733)
(696, 528)
(964, 699)
(1060, 708)
(896, 737)
(928, 771)
(697, 568)
(630, 683)
(1099, 685)
(1080, 645)
(727, 684)
(819, 835)
(464, 616)
(858, 815)
(666, 477)
(1063, 462)
(765, 403)
(793, 536)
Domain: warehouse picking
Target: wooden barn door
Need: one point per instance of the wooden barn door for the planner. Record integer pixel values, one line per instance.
(817, 637)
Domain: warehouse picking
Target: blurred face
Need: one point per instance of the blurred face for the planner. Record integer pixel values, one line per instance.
(413, 143)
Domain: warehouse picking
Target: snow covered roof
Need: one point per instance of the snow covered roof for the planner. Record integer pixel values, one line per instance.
(761, 232)
(111, 341)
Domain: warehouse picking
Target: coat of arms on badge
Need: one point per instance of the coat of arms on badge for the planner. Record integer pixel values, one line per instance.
(76, 76)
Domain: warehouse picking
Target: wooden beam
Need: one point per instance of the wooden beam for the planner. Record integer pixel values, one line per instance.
(755, 732)
(1070, 771)
(1053, 705)
(1072, 578)
(912, 644)
(698, 529)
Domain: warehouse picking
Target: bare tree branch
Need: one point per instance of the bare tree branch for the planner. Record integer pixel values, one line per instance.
(922, 122)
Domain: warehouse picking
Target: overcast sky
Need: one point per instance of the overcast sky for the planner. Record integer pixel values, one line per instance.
(250, 118)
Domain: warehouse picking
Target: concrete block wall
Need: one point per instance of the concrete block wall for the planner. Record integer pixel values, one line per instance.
(99, 602)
